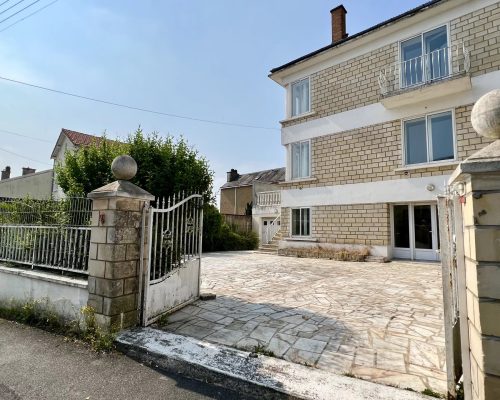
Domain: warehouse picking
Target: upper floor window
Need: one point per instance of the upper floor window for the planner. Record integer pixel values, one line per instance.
(301, 102)
(429, 138)
(425, 58)
(301, 160)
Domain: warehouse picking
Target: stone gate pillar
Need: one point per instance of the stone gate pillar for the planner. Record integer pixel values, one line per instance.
(115, 244)
(477, 181)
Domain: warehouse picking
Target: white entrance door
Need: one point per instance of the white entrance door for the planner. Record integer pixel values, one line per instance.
(266, 232)
(415, 232)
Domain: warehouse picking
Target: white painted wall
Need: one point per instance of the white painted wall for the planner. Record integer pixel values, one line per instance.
(376, 113)
(36, 186)
(66, 145)
(67, 295)
(391, 191)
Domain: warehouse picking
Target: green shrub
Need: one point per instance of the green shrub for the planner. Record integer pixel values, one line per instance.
(218, 236)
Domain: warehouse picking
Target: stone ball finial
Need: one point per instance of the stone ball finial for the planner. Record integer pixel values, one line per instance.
(485, 115)
(124, 167)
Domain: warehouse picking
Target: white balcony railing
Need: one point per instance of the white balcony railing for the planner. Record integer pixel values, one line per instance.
(265, 199)
(437, 65)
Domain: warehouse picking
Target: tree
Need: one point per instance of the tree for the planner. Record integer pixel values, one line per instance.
(164, 166)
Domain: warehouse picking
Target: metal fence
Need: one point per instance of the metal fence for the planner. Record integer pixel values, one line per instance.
(46, 233)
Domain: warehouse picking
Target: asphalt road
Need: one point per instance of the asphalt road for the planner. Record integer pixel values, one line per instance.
(38, 365)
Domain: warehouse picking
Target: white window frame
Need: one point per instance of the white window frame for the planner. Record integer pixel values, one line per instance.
(290, 151)
(291, 222)
(429, 139)
(290, 98)
(421, 35)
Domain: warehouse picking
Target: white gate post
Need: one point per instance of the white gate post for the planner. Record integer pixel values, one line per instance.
(115, 247)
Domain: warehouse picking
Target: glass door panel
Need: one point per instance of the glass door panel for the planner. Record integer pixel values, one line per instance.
(436, 53)
(415, 232)
(411, 66)
(401, 227)
(423, 227)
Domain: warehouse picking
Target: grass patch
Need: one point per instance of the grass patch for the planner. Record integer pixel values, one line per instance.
(349, 374)
(163, 320)
(432, 393)
(259, 349)
(41, 314)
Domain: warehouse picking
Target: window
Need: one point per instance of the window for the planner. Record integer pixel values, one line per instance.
(300, 97)
(429, 138)
(301, 221)
(300, 160)
(425, 58)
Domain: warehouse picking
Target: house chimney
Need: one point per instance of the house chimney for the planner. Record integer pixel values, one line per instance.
(28, 170)
(6, 173)
(338, 23)
(232, 175)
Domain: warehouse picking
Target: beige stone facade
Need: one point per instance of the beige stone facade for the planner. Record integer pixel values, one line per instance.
(234, 201)
(370, 153)
(359, 224)
(354, 83)
(374, 153)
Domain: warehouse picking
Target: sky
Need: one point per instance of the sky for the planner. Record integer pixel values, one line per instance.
(198, 58)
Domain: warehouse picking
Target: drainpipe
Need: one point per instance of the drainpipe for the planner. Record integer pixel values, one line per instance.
(234, 201)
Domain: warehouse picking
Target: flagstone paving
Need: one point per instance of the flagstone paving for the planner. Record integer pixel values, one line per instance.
(381, 322)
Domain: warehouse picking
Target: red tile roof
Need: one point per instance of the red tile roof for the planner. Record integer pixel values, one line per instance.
(80, 139)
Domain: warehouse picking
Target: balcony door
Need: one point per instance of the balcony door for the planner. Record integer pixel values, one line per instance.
(415, 232)
(425, 58)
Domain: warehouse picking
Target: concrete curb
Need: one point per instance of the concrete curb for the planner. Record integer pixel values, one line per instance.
(262, 377)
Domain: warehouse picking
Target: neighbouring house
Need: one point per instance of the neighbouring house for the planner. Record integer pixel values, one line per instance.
(36, 185)
(252, 200)
(68, 141)
(377, 121)
(43, 185)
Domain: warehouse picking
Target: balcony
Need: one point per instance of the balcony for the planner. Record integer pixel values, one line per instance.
(417, 79)
(269, 199)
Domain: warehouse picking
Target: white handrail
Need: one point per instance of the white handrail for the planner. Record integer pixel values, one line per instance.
(271, 230)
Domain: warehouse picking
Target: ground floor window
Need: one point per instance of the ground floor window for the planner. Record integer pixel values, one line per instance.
(301, 221)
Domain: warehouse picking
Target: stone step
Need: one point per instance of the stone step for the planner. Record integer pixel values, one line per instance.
(377, 259)
(274, 252)
(252, 375)
(272, 244)
(269, 248)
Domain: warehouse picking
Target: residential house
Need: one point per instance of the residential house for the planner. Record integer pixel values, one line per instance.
(377, 121)
(253, 200)
(43, 185)
(68, 141)
(36, 185)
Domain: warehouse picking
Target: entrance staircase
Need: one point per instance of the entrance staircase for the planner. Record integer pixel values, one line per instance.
(272, 246)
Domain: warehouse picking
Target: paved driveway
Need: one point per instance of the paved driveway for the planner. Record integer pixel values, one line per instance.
(382, 322)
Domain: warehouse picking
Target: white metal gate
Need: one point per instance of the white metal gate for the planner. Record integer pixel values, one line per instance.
(173, 249)
(454, 293)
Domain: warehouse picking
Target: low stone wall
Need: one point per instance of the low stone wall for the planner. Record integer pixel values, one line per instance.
(66, 294)
(346, 253)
